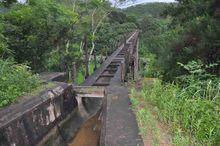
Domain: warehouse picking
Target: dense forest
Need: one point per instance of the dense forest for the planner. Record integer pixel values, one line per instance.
(179, 49)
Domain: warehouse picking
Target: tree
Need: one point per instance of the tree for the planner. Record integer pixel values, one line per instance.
(7, 3)
(36, 29)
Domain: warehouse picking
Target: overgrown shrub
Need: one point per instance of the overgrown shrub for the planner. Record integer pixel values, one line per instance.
(192, 106)
(15, 80)
(196, 116)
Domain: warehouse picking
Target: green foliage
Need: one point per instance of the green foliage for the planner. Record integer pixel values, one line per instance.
(15, 79)
(80, 78)
(193, 114)
(110, 34)
(7, 3)
(199, 82)
(49, 36)
(59, 60)
(148, 66)
(201, 38)
(157, 39)
(34, 30)
(153, 9)
(191, 105)
(150, 126)
(3, 45)
(187, 10)
(190, 32)
(198, 70)
(183, 48)
(117, 17)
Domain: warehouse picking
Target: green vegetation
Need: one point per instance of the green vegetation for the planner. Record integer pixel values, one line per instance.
(16, 80)
(147, 122)
(33, 30)
(180, 47)
(151, 9)
(191, 115)
(195, 115)
(190, 32)
(49, 35)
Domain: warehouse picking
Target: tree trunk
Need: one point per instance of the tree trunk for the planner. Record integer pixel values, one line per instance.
(86, 56)
(95, 61)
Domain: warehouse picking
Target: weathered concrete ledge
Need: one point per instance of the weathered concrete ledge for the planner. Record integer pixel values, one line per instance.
(51, 117)
(119, 126)
(29, 120)
(53, 76)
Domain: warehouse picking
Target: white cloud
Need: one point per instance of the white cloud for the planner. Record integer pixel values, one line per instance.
(21, 1)
(136, 2)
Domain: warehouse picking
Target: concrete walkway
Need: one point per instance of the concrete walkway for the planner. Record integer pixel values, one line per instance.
(120, 127)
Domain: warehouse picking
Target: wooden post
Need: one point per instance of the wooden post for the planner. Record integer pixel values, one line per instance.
(86, 57)
(95, 61)
(73, 72)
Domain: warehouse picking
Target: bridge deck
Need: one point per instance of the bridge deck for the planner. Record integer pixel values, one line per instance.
(104, 67)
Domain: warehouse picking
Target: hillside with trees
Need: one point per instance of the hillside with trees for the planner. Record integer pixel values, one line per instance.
(150, 9)
(179, 46)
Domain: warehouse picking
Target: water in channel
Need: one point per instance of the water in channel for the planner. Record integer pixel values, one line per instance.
(89, 133)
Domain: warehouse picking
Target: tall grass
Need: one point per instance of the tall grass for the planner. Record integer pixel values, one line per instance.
(197, 115)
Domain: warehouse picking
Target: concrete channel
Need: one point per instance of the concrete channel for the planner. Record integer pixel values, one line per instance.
(111, 73)
(67, 114)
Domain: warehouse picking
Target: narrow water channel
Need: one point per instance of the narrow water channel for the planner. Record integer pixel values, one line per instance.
(89, 133)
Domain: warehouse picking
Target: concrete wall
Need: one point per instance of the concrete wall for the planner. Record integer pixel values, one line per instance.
(27, 122)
